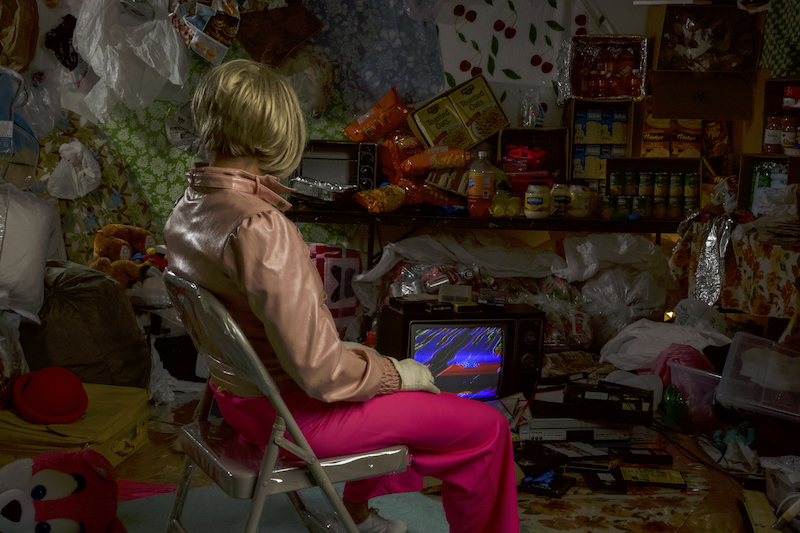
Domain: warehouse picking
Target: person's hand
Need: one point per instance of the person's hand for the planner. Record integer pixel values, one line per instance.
(414, 375)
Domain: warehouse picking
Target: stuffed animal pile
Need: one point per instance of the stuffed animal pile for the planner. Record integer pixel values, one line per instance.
(125, 253)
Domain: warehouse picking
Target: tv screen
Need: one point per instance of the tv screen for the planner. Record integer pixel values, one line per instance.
(465, 359)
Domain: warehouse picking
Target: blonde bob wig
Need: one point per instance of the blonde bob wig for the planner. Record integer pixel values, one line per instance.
(245, 108)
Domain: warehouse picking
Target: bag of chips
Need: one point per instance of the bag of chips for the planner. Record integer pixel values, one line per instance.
(436, 158)
(382, 118)
(381, 200)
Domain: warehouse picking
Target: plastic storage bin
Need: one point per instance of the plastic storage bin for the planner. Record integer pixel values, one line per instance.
(761, 376)
(698, 388)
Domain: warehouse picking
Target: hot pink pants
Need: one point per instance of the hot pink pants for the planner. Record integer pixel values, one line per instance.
(464, 443)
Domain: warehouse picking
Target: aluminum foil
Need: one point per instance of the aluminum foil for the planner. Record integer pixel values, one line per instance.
(710, 272)
(574, 48)
(322, 191)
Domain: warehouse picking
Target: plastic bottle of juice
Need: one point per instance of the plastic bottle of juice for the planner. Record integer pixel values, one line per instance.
(480, 192)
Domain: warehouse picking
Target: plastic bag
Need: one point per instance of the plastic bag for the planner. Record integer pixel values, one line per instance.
(76, 174)
(43, 106)
(638, 345)
(133, 59)
(620, 296)
(567, 326)
(19, 148)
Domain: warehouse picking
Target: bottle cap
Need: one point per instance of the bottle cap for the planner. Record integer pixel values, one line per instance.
(483, 153)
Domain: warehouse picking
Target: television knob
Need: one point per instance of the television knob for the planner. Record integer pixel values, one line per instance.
(529, 360)
(367, 159)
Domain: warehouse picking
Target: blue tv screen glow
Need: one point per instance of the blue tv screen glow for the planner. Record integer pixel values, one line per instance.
(464, 359)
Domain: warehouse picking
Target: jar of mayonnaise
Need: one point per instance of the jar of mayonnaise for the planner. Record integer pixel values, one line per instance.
(560, 199)
(537, 200)
(580, 199)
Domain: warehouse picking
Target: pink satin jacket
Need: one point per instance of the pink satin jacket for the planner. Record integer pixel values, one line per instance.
(228, 234)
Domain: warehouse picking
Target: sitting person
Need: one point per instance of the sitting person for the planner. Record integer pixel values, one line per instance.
(228, 234)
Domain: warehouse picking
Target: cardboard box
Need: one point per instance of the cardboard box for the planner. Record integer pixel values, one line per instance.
(718, 96)
(614, 127)
(588, 126)
(438, 124)
(478, 108)
(689, 38)
(462, 116)
(686, 138)
(586, 161)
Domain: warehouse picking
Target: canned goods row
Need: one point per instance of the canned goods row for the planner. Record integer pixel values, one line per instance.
(647, 206)
(677, 184)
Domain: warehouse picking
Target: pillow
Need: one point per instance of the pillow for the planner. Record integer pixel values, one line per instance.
(25, 221)
(312, 79)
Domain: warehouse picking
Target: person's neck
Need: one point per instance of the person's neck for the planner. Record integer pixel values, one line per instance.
(246, 163)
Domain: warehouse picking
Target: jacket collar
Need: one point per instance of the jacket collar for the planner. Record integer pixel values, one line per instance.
(267, 187)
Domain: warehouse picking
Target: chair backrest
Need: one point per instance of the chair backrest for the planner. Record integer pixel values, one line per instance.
(215, 334)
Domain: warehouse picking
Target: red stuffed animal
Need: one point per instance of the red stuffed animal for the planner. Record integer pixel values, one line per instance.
(59, 491)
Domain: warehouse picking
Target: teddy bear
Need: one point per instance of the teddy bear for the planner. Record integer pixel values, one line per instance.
(116, 248)
(60, 490)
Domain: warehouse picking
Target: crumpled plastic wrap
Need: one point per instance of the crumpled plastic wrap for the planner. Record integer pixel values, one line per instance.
(710, 272)
(132, 58)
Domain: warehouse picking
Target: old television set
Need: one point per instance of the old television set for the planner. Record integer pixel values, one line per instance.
(485, 353)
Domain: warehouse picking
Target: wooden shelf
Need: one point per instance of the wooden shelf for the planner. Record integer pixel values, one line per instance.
(416, 218)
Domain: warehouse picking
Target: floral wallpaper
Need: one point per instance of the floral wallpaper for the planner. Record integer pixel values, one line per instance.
(118, 199)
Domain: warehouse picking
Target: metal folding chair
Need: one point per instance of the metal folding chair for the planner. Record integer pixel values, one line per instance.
(242, 470)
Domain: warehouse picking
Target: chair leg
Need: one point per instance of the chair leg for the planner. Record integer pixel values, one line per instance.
(174, 523)
(333, 498)
(264, 486)
(313, 523)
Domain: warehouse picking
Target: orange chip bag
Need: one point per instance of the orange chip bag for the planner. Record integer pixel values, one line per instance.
(413, 189)
(382, 118)
(402, 145)
(436, 158)
(381, 200)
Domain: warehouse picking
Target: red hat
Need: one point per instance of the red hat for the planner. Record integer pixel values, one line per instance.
(52, 395)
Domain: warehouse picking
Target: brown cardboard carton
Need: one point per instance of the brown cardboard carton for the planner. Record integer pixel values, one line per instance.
(719, 96)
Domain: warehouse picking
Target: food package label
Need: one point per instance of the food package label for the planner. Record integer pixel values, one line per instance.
(656, 136)
(588, 126)
(587, 162)
(686, 139)
(614, 127)
(479, 110)
(441, 125)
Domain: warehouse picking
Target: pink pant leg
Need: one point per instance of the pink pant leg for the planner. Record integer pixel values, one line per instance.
(464, 443)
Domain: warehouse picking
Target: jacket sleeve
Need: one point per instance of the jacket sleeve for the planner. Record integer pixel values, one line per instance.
(270, 262)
